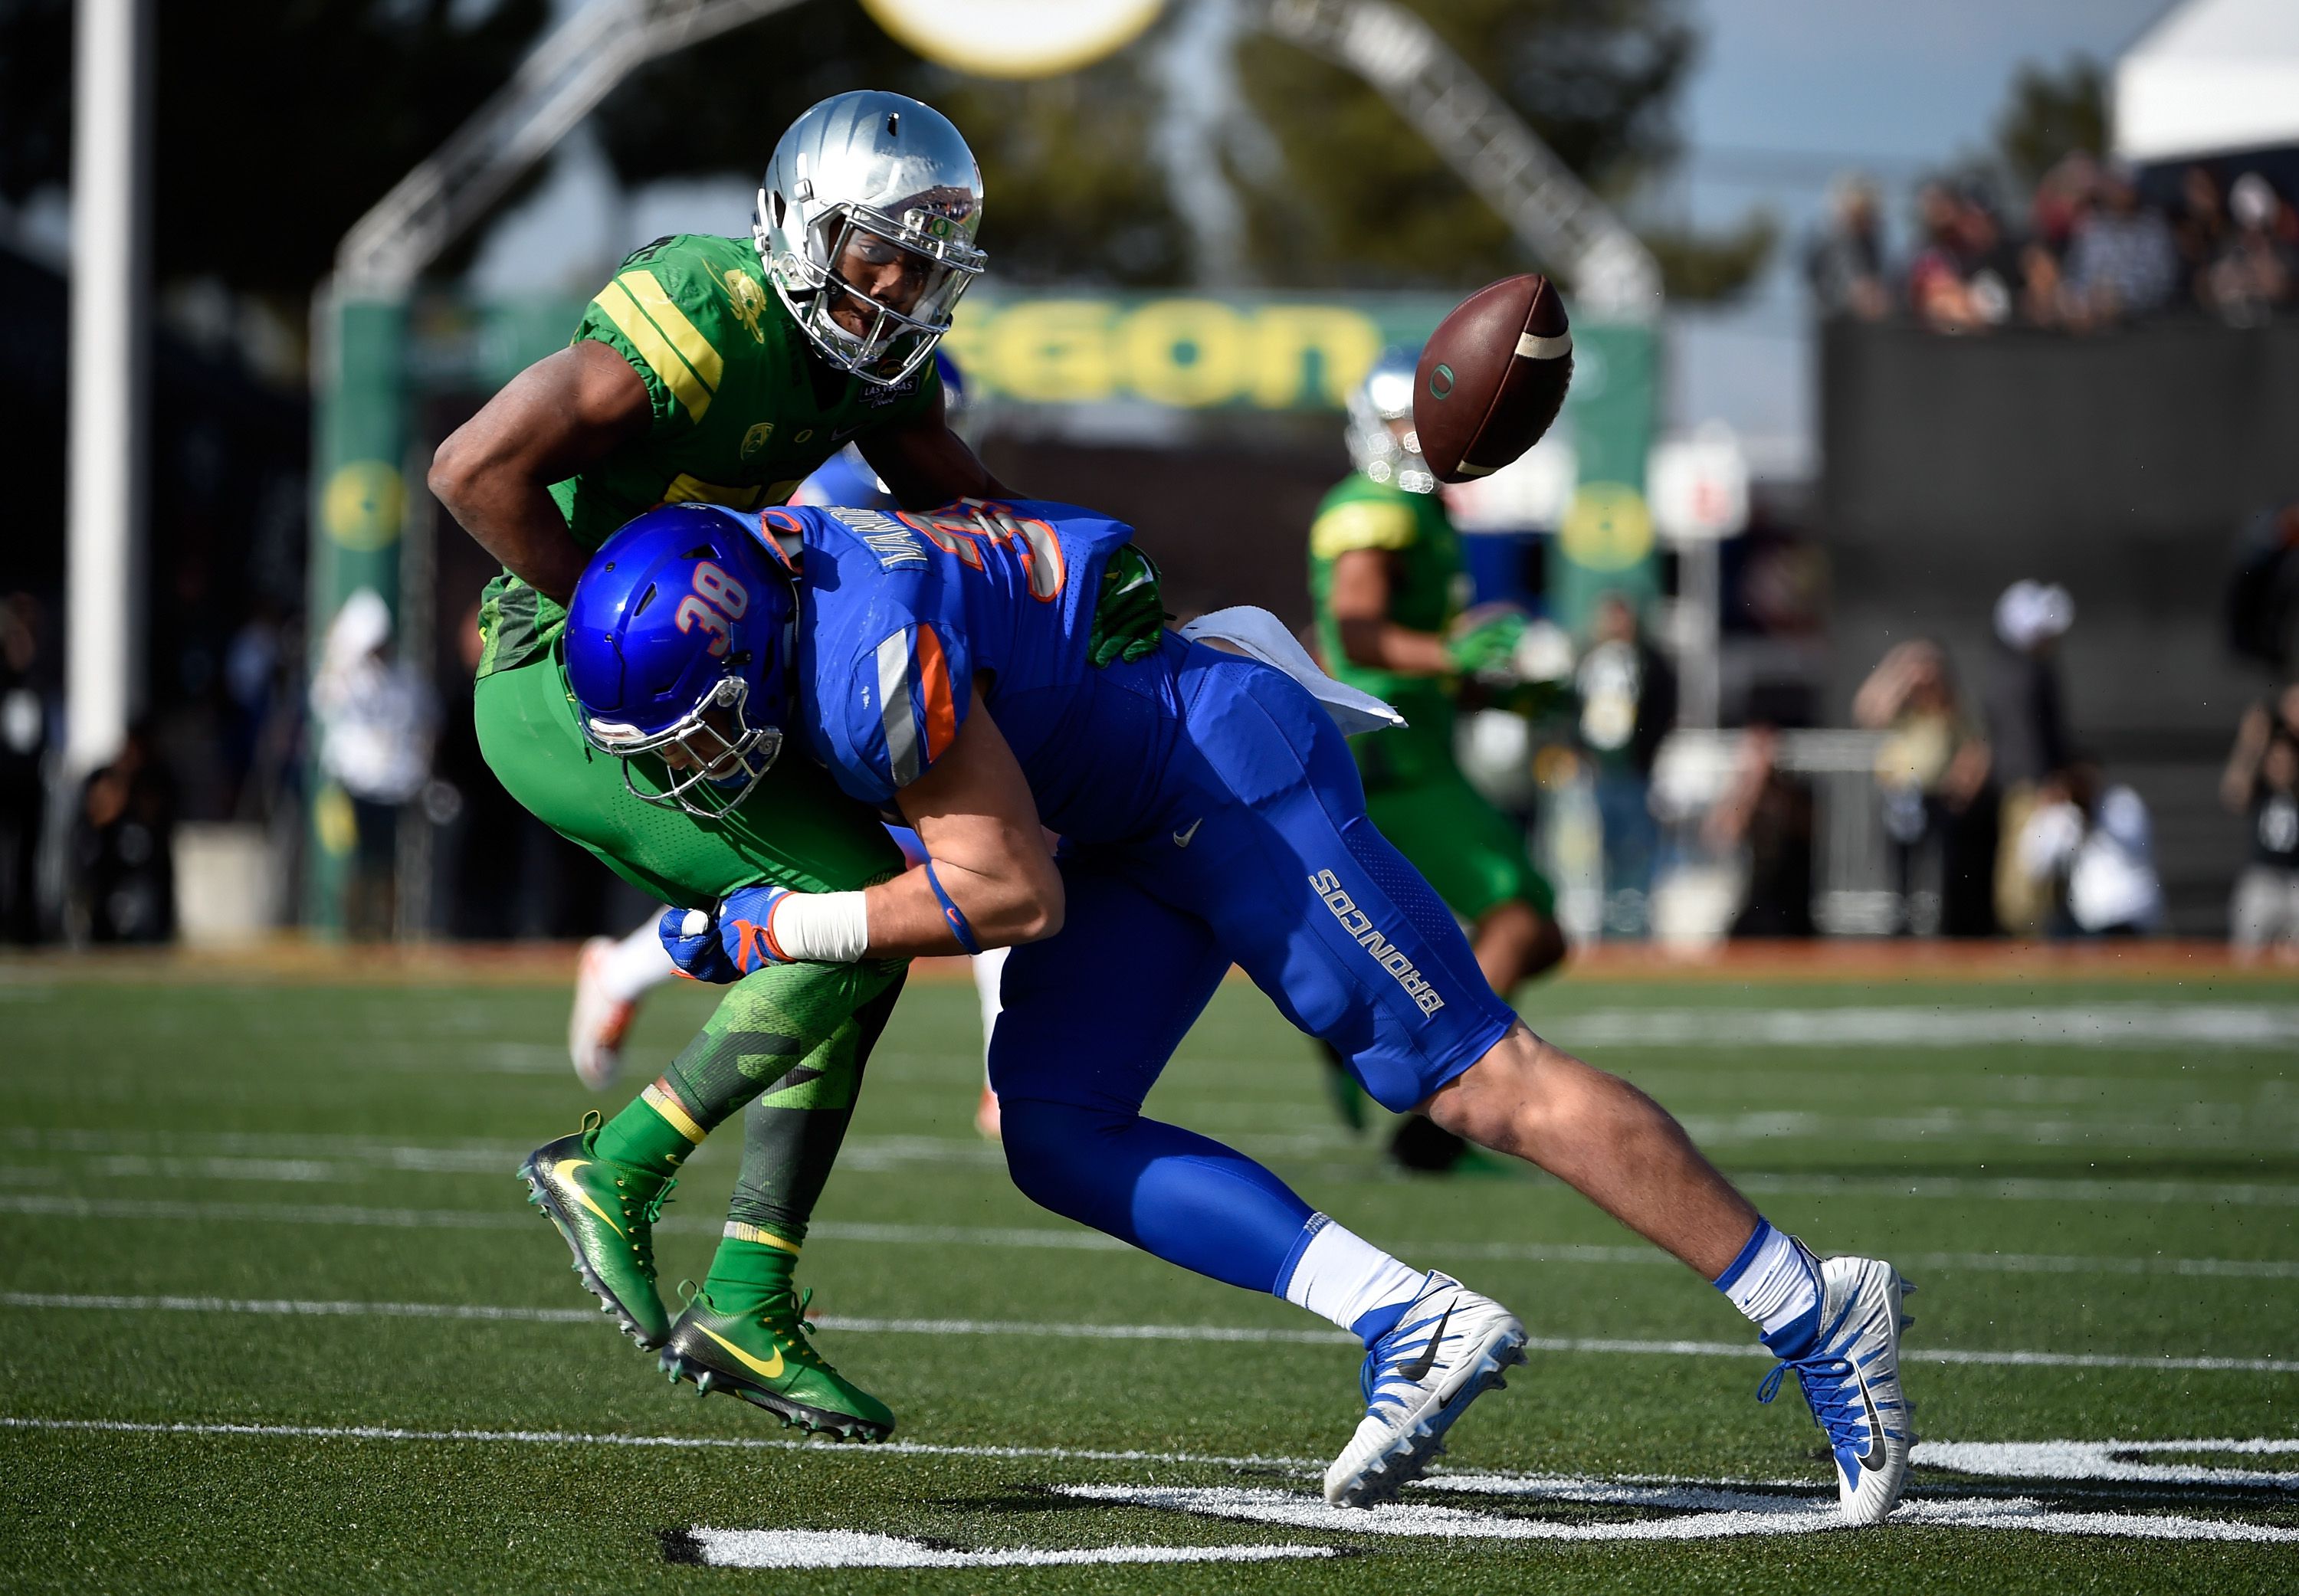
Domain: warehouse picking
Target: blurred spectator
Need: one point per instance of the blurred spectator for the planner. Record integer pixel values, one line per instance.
(2255, 268)
(1846, 262)
(2061, 199)
(1628, 705)
(23, 746)
(1937, 291)
(2263, 592)
(2027, 734)
(1769, 816)
(1933, 773)
(2261, 784)
(124, 847)
(376, 722)
(2094, 844)
(2124, 262)
(2199, 226)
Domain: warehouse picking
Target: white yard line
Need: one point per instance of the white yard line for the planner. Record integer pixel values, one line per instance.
(1735, 1516)
(1982, 1189)
(285, 1156)
(1855, 1028)
(2063, 1462)
(1037, 1329)
(1081, 1240)
(813, 1449)
(856, 1549)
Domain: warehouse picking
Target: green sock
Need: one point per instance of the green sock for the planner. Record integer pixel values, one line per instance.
(752, 1267)
(654, 1133)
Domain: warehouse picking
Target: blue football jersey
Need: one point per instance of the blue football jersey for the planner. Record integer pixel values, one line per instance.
(900, 614)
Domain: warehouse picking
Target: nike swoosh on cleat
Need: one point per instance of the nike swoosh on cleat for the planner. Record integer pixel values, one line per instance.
(1874, 1458)
(768, 1371)
(1181, 839)
(561, 1173)
(1418, 1369)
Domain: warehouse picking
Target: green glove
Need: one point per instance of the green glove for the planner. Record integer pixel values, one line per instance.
(1129, 617)
(1486, 647)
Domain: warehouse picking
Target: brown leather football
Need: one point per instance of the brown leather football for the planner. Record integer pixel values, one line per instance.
(1493, 377)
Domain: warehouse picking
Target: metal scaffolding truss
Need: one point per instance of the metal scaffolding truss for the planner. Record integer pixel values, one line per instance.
(1568, 229)
(555, 89)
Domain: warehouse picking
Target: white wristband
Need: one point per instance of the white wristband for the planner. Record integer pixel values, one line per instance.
(825, 928)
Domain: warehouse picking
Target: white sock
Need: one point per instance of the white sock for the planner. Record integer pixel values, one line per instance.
(1344, 1277)
(635, 966)
(1775, 1281)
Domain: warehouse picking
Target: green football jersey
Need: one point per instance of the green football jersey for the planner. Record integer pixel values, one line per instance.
(744, 411)
(1428, 587)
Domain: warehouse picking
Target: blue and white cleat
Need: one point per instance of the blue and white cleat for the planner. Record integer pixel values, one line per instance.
(1851, 1381)
(1448, 1349)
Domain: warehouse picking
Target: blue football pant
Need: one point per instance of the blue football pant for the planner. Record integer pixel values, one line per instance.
(1264, 858)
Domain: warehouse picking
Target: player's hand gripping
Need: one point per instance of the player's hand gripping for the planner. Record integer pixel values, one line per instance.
(1129, 614)
(728, 943)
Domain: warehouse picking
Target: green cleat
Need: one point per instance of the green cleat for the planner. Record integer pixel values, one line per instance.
(607, 1213)
(765, 1357)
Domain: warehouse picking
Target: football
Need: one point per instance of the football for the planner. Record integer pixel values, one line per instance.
(1493, 377)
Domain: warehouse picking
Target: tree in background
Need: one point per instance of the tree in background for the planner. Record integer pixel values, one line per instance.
(1360, 198)
(1073, 191)
(277, 122)
(2047, 115)
(1334, 188)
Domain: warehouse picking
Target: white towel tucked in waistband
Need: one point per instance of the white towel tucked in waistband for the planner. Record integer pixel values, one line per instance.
(1258, 634)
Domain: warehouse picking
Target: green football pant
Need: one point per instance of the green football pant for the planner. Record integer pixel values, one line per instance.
(791, 1041)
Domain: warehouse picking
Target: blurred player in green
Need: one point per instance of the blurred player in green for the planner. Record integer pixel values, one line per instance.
(726, 370)
(1387, 578)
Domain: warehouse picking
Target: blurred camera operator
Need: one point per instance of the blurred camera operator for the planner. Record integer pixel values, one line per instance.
(2261, 784)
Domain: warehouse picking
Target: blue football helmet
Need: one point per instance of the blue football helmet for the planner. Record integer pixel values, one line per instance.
(677, 646)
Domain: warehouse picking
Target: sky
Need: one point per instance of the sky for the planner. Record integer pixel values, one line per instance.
(1786, 93)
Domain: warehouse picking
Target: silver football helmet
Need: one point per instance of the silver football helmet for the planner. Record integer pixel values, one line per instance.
(866, 222)
(1386, 395)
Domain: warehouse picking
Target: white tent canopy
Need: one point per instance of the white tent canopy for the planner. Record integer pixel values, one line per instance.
(2211, 77)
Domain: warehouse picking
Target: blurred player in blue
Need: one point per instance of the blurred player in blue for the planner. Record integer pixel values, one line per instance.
(614, 973)
(1210, 814)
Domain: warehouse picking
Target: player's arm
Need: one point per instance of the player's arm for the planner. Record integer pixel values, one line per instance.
(566, 412)
(989, 880)
(1359, 600)
(923, 464)
(986, 850)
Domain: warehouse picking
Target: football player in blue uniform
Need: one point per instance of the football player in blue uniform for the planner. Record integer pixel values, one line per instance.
(1210, 814)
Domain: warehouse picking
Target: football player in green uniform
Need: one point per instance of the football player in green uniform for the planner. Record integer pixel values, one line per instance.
(726, 370)
(1389, 585)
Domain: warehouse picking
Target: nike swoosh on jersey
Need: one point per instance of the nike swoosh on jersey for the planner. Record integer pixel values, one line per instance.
(764, 1372)
(1418, 1369)
(1181, 839)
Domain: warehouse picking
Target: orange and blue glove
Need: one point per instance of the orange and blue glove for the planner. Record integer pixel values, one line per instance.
(726, 944)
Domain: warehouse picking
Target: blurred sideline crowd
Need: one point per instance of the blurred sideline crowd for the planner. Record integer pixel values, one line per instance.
(2089, 249)
(1997, 821)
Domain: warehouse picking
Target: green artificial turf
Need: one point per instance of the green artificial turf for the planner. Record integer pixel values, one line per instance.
(246, 1203)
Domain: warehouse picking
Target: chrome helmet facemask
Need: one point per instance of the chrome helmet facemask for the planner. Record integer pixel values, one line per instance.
(714, 769)
(1386, 395)
(865, 180)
